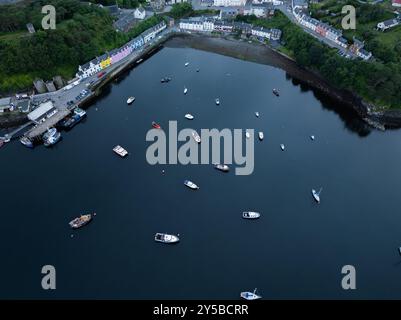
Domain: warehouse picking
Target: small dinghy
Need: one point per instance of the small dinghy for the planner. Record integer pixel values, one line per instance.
(222, 167)
(282, 147)
(316, 195)
(250, 215)
(257, 114)
(312, 138)
(156, 125)
(166, 238)
(217, 100)
(247, 135)
(275, 91)
(191, 185)
(250, 295)
(189, 116)
(196, 136)
(120, 151)
(261, 135)
(186, 64)
(130, 100)
(185, 90)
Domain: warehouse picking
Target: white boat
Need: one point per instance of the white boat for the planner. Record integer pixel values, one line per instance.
(257, 114)
(312, 137)
(316, 195)
(189, 116)
(222, 167)
(261, 135)
(250, 215)
(52, 139)
(282, 147)
(191, 185)
(186, 64)
(185, 90)
(166, 238)
(49, 133)
(196, 136)
(120, 151)
(247, 135)
(130, 100)
(79, 112)
(250, 295)
(217, 101)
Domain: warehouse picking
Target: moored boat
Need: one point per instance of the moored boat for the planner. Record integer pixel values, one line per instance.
(191, 185)
(120, 151)
(51, 137)
(250, 215)
(247, 295)
(166, 238)
(189, 116)
(257, 114)
(275, 91)
(247, 135)
(316, 195)
(217, 100)
(130, 100)
(156, 125)
(261, 135)
(186, 64)
(80, 221)
(185, 90)
(282, 147)
(222, 167)
(196, 136)
(26, 142)
(312, 137)
(79, 112)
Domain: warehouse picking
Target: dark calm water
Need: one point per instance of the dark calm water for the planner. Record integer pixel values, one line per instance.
(297, 248)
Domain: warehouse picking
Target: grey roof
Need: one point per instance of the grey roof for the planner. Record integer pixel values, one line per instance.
(364, 52)
(390, 22)
(5, 101)
(140, 9)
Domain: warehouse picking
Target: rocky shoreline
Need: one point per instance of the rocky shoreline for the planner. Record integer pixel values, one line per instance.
(261, 53)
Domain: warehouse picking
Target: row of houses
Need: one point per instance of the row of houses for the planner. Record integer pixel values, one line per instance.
(209, 25)
(99, 63)
(241, 3)
(328, 32)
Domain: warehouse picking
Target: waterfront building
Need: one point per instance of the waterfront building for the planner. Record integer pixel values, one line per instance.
(223, 26)
(365, 55)
(208, 25)
(229, 3)
(391, 23)
(396, 3)
(140, 13)
(152, 32)
(39, 85)
(5, 104)
(192, 24)
(50, 86)
(43, 112)
(105, 62)
(271, 34)
(246, 28)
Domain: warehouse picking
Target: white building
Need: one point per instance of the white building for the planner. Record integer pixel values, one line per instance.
(271, 34)
(388, 24)
(365, 55)
(191, 25)
(208, 25)
(229, 3)
(140, 13)
(259, 10)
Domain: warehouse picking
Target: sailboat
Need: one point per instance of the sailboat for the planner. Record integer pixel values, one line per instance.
(250, 295)
(316, 195)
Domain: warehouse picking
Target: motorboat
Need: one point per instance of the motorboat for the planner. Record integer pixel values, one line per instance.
(250, 295)
(217, 101)
(250, 215)
(51, 137)
(191, 185)
(312, 137)
(120, 151)
(275, 91)
(130, 100)
(282, 147)
(186, 64)
(257, 114)
(222, 167)
(196, 136)
(261, 135)
(185, 90)
(166, 238)
(25, 141)
(156, 125)
(80, 112)
(189, 116)
(80, 221)
(247, 135)
(316, 195)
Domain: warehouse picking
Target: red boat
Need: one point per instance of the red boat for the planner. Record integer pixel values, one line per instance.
(155, 125)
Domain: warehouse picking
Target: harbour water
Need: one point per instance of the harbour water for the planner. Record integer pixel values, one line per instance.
(295, 250)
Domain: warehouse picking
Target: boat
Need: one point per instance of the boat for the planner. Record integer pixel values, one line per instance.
(217, 101)
(139, 61)
(80, 112)
(52, 140)
(250, 215)
(186, 64)
(275, 91)
(165, 80)
(191, 185)
(80, 221)
(316, 195)
(130, 100)
(156, 125)
(6, 138)
(185, 90)
(257, 114)
(247, 135)
(250, 295)
(1, 143)
(120, 151)
(222, 167)
(197, 70)
(26, 142)
(189, 116)
(196, 136)
(50, 132)
(70, 122)
(399, 250)
(312, 137)
(282, 147)
(166, 238)
(261, 135)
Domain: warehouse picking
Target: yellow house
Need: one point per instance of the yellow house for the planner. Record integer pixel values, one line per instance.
(105, 63)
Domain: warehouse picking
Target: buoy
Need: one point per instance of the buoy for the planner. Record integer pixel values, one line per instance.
(72, 236)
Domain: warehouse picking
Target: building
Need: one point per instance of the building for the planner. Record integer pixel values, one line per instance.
(397, 3)
(23, 105)
(50, 86)
(245, 28)
(43, 112)
(140, 13)
(152, 32)
(365, 55)
(5, 104)
(303, 4)
(388, 24)
(259, 10)
(191, 24)
(114, 10)
(228, 13)
(170, 21)
(229, 3)
(271, 34)
(223, 26)
(40, 86)
(30, 28)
